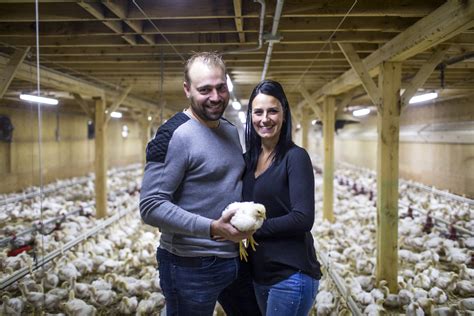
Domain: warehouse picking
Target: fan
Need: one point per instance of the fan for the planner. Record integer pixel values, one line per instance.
(6, 129)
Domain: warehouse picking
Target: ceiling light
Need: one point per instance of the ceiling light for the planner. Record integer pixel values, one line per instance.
(34, 98)
(242, 117)
(423, 97)
(230, 86)
(313, 122)
(149, 117)
(361, 112)
(236, 105)
(116, 114)
(124, 131)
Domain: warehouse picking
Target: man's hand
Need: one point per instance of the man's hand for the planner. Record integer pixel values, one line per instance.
(222, 229)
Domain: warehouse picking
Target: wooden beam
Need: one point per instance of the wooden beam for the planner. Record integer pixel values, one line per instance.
(83, 104)
(361, 71)
(238, 20)
(422, 75)
(305, 124)
(100, 126)
(311, 103)
(145, 134)
(95, 10)
(114, 106)
(346, 99)
(116, 26)
(60, 81)
(168, 52)
(120, 9)
(388, 125)
(329, 105)
(11, 69)
(447, 21)
(54, 79)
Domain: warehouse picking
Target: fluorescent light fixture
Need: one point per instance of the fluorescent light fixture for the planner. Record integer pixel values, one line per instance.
(149, 117)
(230, 86)
(34, 98)
(124, 131)
(423, 97)
(361, 112)
(242, 117)
(116, 114)
(236, 105)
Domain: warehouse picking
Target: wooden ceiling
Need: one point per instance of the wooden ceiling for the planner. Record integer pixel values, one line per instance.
(113, 45)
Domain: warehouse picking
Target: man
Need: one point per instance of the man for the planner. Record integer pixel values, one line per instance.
(193, 171)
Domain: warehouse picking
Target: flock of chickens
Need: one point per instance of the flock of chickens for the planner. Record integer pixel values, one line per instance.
(436, 274)
(111, 273)
(114, 272)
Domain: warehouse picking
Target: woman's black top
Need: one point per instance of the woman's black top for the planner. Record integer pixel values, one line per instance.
(285, 243)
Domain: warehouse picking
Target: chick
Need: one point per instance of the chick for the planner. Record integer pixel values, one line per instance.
(249, 216)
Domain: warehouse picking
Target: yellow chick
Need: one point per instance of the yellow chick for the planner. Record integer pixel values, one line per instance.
(249, 216)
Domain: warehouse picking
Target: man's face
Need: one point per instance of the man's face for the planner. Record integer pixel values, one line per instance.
(207, 91)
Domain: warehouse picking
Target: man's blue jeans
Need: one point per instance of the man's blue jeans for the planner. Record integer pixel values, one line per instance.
(191, 285)
(294, 296)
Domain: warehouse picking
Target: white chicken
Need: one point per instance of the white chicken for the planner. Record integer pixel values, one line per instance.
(249, 216)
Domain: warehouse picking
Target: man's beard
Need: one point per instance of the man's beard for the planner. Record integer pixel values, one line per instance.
(204, 111)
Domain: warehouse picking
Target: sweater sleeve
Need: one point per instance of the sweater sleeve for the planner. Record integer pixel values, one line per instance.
(164, 173)
(301, 189)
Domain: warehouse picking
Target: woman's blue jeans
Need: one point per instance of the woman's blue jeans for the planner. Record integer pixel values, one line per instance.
(191, 285)
(294, 296)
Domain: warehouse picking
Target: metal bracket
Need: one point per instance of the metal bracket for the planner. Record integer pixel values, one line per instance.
(269, 37)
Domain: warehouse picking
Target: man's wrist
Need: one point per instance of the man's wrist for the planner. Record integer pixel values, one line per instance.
(212, 228)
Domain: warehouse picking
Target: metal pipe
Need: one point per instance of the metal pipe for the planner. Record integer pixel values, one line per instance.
(455, 60)
(438, 220)
(338, 281)
(260, 32)
(26, 196)
(419, 186)
(4, 242)
(276, 21)
(53, 188)
(7, 281)
(443, 193)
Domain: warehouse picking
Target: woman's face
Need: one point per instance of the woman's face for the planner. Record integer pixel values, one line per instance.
(267, 117)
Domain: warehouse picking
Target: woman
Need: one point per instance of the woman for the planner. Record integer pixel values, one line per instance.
(279, 175)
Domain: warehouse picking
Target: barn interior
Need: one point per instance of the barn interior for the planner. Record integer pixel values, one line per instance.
(115, 68)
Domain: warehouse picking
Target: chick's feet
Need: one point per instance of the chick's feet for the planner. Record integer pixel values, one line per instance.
(242, 251)
(253, 243)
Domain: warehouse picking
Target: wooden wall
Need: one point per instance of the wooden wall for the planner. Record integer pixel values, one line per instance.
(65, 149)
(443, 164)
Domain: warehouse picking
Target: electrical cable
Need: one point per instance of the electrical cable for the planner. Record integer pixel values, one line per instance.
(324, 46)
(156, 28)
(40, 149)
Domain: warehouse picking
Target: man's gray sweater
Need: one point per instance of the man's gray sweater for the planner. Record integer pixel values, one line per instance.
(192, 173)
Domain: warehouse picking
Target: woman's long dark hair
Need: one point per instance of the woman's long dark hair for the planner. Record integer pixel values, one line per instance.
(253, 142)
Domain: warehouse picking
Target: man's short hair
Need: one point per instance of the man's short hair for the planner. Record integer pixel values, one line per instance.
(209, 58)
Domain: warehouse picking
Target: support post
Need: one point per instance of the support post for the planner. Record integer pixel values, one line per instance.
(388, 125)
(145, 133)
(100, 158)
(329, 109)
(305, 123)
